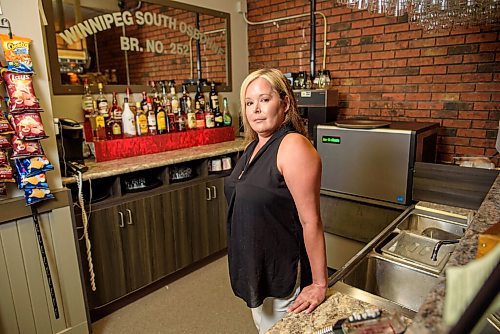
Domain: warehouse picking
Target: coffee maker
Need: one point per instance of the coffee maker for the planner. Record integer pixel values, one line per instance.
(69, 138)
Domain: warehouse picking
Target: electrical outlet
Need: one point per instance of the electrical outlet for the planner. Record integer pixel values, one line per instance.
(241, 6)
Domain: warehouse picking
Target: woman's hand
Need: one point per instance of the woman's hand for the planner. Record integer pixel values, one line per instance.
(308, 299)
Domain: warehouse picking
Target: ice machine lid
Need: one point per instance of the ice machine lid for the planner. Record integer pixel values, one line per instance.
(361, 124)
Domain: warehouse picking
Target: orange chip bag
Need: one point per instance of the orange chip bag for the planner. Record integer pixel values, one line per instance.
(17, 54)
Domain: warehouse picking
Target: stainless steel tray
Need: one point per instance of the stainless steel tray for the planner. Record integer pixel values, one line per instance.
(418, 249)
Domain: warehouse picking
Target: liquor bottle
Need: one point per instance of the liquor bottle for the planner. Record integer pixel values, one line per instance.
(114, 129)
(199, 96)
(209, 117)
(161, 120)
(87, 100)
(151, 117)
(191, 117)
(144, 101)
(214, 98)
(218, 118)
(174, 111)
(128, 120)
(131, 101)
(100, 125)
(141, 120)
(174, 100)
(226, 115)
(116, 110)
(155, 95)
(102, 102)
(185, 99)
(200, 116)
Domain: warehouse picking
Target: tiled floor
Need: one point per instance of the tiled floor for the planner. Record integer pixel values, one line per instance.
(201, 302)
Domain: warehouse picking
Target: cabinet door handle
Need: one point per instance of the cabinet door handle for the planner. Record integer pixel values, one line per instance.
(130, 221)
(215, 192)
(122, 225)
(209, 196)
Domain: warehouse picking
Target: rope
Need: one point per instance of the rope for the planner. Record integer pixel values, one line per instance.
(86, 231)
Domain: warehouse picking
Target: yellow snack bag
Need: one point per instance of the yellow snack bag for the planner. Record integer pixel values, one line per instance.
(17, 53)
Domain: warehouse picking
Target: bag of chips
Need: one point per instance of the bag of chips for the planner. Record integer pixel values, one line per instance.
(34, 195)
(5, 127)
(6, 174)
(28, 126)
(21, 92)
(17, 53)
(37, 181)
(3, 158)
(4, 142)
(33, 166)
(25, 149)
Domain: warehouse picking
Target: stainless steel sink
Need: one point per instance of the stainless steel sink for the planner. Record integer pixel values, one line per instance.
(389, 279)
(436, 226)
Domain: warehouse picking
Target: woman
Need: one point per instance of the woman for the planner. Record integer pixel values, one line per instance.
(276, 247)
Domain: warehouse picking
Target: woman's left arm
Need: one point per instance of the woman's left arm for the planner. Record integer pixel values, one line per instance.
(300, 165)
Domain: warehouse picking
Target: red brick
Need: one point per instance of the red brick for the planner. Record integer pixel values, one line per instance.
(406, 88)
(475, 96)
(479, 58)
(455, 59)
(483, 142)
(381, 104)
(417, 113)
(484, 124)
(350, 33)
(461, 141)
(396, 45)
(350, 82)
(432, 88)
(432, 52)
(350, 66)
(430, 105)
(481, 38)
(397, 27)
(450, 40)
(409, 35)
(419, 79)
(445, 96)
(459, 30)
(372, 64)
(462, 68)
(359, 104)
(362, 23)
(488, 87)
(418, 97)
(382, 88)
(486, 106)
(454, 123)
(477, 77)
(421, 43)
(447, 78)
(393, 97)
(495, 97)
(383, 55)
(360, 73)
(471, 133)
(469, 150)
(385, 20)
(383, 72)
(361, 56)
(384, 38)
(459, 87)
(395, 63)
(473, 114)
(392, 113)
(371, 81)
(432, 70)
(373, 31)
(340, 58)
(420, 61)
(484, 47)
(411, 53)
(360, 89)
(394, 80)
(441, 114)
(372, 47)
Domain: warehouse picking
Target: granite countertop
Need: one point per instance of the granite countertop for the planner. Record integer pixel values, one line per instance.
(429, 317)
(121, 166)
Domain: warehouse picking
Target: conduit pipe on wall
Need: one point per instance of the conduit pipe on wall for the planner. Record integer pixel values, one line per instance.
(274, 21)
(223, 31)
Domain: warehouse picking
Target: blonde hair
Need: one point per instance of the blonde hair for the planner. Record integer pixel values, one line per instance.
(280, 85)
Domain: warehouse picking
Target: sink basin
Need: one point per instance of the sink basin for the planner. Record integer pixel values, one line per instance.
(397, 282)
(440, 227)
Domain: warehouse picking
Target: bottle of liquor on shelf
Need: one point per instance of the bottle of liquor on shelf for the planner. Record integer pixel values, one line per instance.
(209, 117)
(102, 102)
(114, 129)
(151, 117)
(100, 125)
(173, 113)
(161, 119)
(144, 101)
(191, 117)
(87, 100)
(185, 100)
(226, 115)
(154, 94)
(200, 116)
(199, 96)
(115, 110)
(141, 120)
(218, 118)
(128, 120)
(214, 97)
(131, 101)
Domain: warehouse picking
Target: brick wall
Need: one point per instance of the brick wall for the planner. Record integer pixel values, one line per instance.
(388, 69)
(146, 66)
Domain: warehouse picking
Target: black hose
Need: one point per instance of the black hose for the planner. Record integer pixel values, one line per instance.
(313, 39)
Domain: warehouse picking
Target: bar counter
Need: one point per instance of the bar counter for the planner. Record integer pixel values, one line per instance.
(138, 163)
(339, 304)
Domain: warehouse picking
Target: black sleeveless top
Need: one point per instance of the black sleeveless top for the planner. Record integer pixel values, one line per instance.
(265, 240)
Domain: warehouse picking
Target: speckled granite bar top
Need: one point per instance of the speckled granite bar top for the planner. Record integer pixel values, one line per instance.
(133, 164)
(430, 314)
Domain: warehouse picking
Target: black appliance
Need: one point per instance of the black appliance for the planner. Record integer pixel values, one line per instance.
(69, 137)
(317, 106)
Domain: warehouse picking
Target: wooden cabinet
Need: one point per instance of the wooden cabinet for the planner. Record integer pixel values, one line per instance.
(138, 242)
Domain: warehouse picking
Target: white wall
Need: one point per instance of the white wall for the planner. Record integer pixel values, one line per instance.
(70, 105)
(25, 21)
